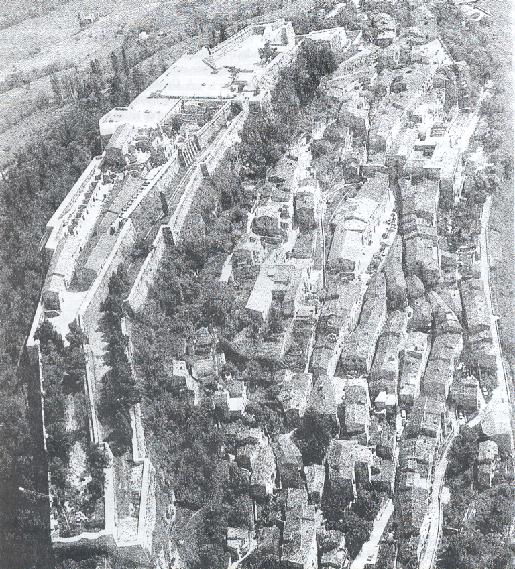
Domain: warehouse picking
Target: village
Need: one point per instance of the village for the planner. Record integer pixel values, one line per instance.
(376, 319)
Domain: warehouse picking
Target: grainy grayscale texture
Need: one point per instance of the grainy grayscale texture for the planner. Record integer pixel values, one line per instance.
(256, 286)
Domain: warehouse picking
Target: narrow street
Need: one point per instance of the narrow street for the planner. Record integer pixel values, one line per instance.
(504, 393)
(368, 553)
(501, 397)
(434, 514)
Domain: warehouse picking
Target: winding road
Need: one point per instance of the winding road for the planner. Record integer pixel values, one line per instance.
(434, 516)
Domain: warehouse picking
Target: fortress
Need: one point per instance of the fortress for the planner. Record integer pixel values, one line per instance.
(157, 152)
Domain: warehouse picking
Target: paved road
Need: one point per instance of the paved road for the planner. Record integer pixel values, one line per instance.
(434, 514)
(371, 547)
(485, 277)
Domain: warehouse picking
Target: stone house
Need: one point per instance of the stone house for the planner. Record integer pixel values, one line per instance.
(413, 361)
(299, 546)
(315, 481)
(347, 462)
(383, 438)
(263, 476)
(294, 393)
(466, 393)
(383, 475)
(418, 454)
(322, 400)
(487, 462)
(240, 541)
(427, 418)
(183, 383)
(289, 462)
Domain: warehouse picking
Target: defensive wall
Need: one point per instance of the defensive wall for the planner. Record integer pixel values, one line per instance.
(89, 310)
(205, 166)
(187, 190)
(140, 289)
(212, 140)
(230, 43)
(55, 224)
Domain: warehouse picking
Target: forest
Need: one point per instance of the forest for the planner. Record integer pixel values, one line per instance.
(187, 296)
(44, 172)
(477, 520)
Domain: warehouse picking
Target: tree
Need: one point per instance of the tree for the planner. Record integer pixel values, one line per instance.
(313, 62)
(463, 452)
(262, 144)
(217, 303)
(367, 504)
(267, 53)
(47, 335)
(469, 548)
(357, 531)
(314, 437)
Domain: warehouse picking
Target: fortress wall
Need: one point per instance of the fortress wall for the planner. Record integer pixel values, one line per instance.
(140, 289)
(272, 69)
(210, 129)
(90, 382)
(88, 318)
(230, 43)
(147, 207)
(209, 161)
(89, 311)
(53, 227)
(147, 507)
(139, 451)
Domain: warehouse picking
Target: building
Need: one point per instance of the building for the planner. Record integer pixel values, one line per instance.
(209, 74)
(335, 38)
(281, 283)
(427, 418)
(315, 481)
(396, 289)
(413, 364)
(422, 255)
(410, 508)
(322, 401)
(383, 475)
(475, 308)
(360, 345)
(358, 226)
(299, 545)
(347, 462)
(383, 438)
(183, 383)
(240, 541)
(289, 462)
(294, 394)
(487, 462)
(418, 454)
(263, 473)
(307, 206)
(466, 393)
(357, 421)
(248, 253)
(442, 365)
(334, 554)
(496, 424)
(384, 373)
(272, 219)
(385, 29)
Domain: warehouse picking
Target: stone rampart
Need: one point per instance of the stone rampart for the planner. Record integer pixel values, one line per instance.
(54, 224)
(206, 165)
(89, 310)
(231, 43)
(140, 289)
(139, 451)
(219, 120)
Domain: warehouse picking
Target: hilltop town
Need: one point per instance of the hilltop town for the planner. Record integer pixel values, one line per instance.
(266, 327)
